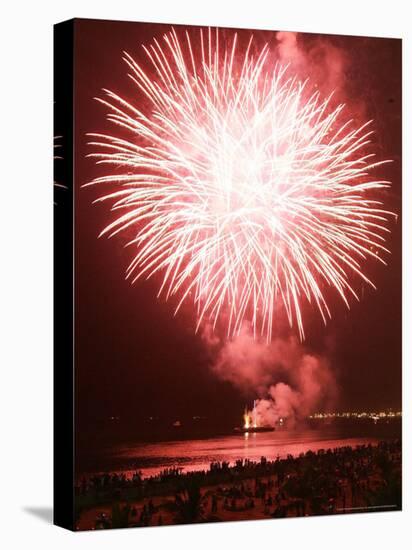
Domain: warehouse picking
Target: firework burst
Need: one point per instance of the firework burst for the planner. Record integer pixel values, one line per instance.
(246, 192)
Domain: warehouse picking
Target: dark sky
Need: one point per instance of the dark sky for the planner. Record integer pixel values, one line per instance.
(133, 357)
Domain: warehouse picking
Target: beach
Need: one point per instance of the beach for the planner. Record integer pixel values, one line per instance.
(338, 480)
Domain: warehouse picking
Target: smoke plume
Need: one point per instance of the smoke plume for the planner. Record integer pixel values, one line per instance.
(320, 60)
(289, 381)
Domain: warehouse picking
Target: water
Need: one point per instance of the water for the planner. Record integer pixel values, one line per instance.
(197, 454)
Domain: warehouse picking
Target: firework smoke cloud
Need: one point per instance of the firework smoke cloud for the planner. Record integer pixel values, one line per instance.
(291, 381)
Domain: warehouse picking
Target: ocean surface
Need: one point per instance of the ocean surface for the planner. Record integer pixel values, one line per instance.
(197, 454)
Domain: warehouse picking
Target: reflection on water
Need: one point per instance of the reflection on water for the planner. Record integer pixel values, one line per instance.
(197, 454)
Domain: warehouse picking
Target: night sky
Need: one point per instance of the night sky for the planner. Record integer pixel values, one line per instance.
(134, 358)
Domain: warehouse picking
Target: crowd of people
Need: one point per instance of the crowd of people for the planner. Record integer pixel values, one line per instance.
(330, 481)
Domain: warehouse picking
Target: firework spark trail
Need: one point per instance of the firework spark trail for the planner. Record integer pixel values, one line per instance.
(244, 190)
(57, 145)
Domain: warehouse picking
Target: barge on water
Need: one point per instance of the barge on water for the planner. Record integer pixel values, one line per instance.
(250, 422)
(254, 429)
